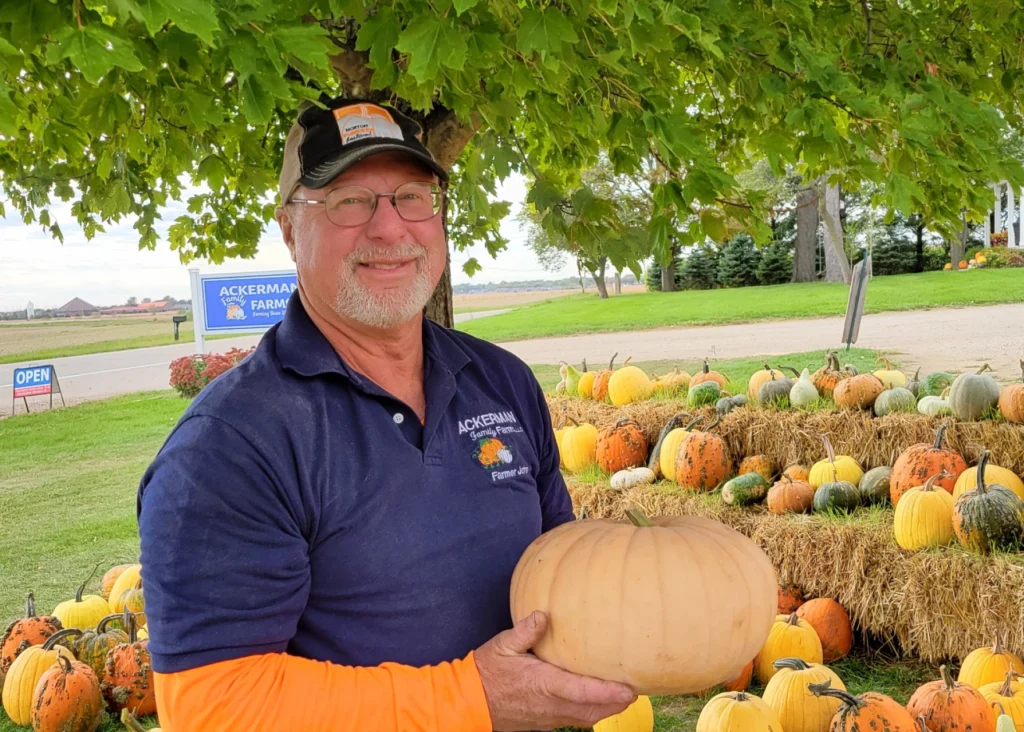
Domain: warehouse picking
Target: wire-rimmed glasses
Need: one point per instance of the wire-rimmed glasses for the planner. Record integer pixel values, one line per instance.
(354, 205)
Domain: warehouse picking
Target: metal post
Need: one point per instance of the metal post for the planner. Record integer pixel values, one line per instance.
(988, 225)
(1011, 214)
(999, 208)
(197, 308)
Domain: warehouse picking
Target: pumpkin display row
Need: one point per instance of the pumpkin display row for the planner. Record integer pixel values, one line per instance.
(967, 396)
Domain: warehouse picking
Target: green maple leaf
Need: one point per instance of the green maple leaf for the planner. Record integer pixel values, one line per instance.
(461, 6)
(307, 42)
(94, 51)
(544, 31)
(31, 20)
(257, 103)
(197, 17)
(8, 113)
(430, 43)
(7, 49)
(379, 35)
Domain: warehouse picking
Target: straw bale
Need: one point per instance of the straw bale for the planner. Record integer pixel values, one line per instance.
(936, 605)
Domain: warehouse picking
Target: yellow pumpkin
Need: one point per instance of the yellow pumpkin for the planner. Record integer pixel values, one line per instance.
(579, 445)
(988, 666)
(629, 384)
(890, 377)
(670, 450)
(718, 580)
(738, 711)
(637, 717)
(790, 637)
(25, 672)
(126, 581)
(586, 384)
(1009, 694)
(134, 600)
(107, 583)
(561, 451)
(799, 710)
(83, 612)
(674, 382)
(834, 469)
(759, 378)
(968, 480)
(924, 517)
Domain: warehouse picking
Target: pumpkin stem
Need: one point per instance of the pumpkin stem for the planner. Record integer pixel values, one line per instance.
(705, 368)
(921, 724)
(698, 418)
(129, 721)
(790, 368)
(1002, 709)
(793, 619)
(65, 663)
(892, 459)
(1022, 369)
(584, 366)
(825, 689)
(939, 435)
(981, 488)
(638, 517)
(101, 627)
(930, 483)
(787, 478)
(983, 369)
(574, 422)
(626, 362)
(796, 664)
(130, 626)
(917, 374)
(30, 605)
(611, 364)
(947, 678)
(741, 696)
(997, 647)
(1006, 689)
(829, 450)
(78, 594)
(59, 636)
(714, 422)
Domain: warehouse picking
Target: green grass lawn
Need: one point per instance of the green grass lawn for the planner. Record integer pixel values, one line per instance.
(588, 314)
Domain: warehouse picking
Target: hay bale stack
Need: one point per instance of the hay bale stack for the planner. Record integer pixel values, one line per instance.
(937, 605)
(789, 436)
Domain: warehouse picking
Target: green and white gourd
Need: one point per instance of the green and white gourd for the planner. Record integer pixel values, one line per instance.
(898, 399)
(703, 394)
(935, 406)
(744, 490)
(935, 383)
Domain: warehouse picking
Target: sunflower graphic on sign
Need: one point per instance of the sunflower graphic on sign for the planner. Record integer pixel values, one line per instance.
(491, 452)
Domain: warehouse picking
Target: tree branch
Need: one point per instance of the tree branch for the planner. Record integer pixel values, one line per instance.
(867, 20)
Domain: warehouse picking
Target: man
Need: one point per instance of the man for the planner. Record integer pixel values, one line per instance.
(329, 532)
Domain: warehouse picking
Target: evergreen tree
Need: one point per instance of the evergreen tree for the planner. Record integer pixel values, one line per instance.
(776, 265)
(737, 265)
(700, 269)
(652, 278)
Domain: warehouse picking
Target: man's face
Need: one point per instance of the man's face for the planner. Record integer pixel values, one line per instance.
(380, 273)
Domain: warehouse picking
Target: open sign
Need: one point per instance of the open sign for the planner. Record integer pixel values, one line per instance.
(33, 381)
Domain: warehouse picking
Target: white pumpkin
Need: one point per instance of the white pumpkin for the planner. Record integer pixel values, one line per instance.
(933, 405)
(631, 477)
(804, 393)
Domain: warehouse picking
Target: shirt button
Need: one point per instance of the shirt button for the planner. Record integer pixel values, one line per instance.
(399, 418)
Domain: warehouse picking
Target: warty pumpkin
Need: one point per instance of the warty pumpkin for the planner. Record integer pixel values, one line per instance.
(1009, 695)
(128, 674)
(109, 578)
(1011, 401)
(758, 378)
(702, 460)
(737, 710)
(990, 516)
(645, 638)
(790, 496)
(790, 598)
(832, 624)
(663, 456)
(126, 581)
(24, 673)
(67, 698)
(93, 645)
(621, 446)
(973, 394)
(600, 390)
(968, 480)
(799, 710)
(637, 717)
(791, 637)
(924, 517)
(25, 632)
(797, 472)
(706, 374)
(760, 464)
(858, 392)
(834, 468)
(579, 444)
(949, 706)
(629, 384)
(921, 461)
(867, 711)
(988, 665)
(82, 612)
(826, 378)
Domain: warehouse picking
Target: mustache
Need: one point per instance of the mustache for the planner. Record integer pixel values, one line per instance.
(397, 251)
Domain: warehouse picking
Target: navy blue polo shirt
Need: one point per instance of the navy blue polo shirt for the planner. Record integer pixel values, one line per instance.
(298, 507)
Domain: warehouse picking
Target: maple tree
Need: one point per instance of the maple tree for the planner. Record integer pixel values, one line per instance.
(124, 105)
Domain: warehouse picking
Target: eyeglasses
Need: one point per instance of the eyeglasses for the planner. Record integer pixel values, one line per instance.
(354, 205)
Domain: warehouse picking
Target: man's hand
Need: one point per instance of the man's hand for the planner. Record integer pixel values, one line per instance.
(525, 693)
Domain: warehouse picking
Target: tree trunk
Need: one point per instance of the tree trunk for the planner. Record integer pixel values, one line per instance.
(668, 274)
(958, 245)
(618, 282)
(598, 275)
(806, 235)
(919, 265)
(837, 265)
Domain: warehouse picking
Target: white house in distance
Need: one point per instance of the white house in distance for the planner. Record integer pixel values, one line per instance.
(30, 310)
(1012, 226)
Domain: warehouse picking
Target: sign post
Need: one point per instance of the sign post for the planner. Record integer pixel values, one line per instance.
(239, 303)
(855, 302)
(35, 381)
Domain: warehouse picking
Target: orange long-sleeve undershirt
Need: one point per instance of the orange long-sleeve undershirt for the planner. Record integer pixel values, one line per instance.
(277, 691)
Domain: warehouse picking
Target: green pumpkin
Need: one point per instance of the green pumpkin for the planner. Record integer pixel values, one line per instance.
(745, 489)
(972, 394)
(874, 486)
(989, 517)
(838, 496)
(704, 394)
(775, 393)
(724, 405)
(94, 644)
(897, 399)
(934, 384)
(914, 384)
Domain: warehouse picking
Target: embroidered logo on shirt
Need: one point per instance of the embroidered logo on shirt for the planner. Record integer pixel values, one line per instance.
(491, 453)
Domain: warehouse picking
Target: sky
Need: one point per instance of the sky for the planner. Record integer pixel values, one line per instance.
(110, 268)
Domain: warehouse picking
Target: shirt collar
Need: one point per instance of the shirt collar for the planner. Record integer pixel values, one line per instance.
(303, 349)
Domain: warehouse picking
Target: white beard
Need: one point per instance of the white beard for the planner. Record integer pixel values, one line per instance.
(386, 309)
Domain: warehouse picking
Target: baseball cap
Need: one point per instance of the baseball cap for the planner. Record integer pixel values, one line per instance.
(323, 143)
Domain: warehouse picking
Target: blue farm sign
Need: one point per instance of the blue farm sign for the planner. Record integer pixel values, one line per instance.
(33, 381)
(245, 302)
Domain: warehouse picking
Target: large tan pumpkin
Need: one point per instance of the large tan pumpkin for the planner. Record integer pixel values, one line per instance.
(623, 598)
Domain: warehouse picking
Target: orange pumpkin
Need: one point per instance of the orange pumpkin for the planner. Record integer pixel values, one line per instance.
(826, 378)
(832, 624)
(135, 601)
(788, 495)
(705, 374)
(25, 632)
(621, 446)
(1011, 401)
(600, 388)
(790, 598)
(107, 583)
(947, 706)
(858, 392)
(921, 461)
(797, 472)
(760, 464)
(128, 674)
(740, 683)
(868, 711)
(702, 461)
(67, 698)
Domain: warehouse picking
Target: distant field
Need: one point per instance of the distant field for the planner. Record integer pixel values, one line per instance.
(501, 300)
(589, 314)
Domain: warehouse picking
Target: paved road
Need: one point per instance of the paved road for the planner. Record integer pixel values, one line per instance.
(933, 339)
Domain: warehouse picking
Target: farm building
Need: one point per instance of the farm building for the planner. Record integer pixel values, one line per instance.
(75, 309)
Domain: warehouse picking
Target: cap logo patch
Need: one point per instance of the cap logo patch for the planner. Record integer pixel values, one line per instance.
(365, 120)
